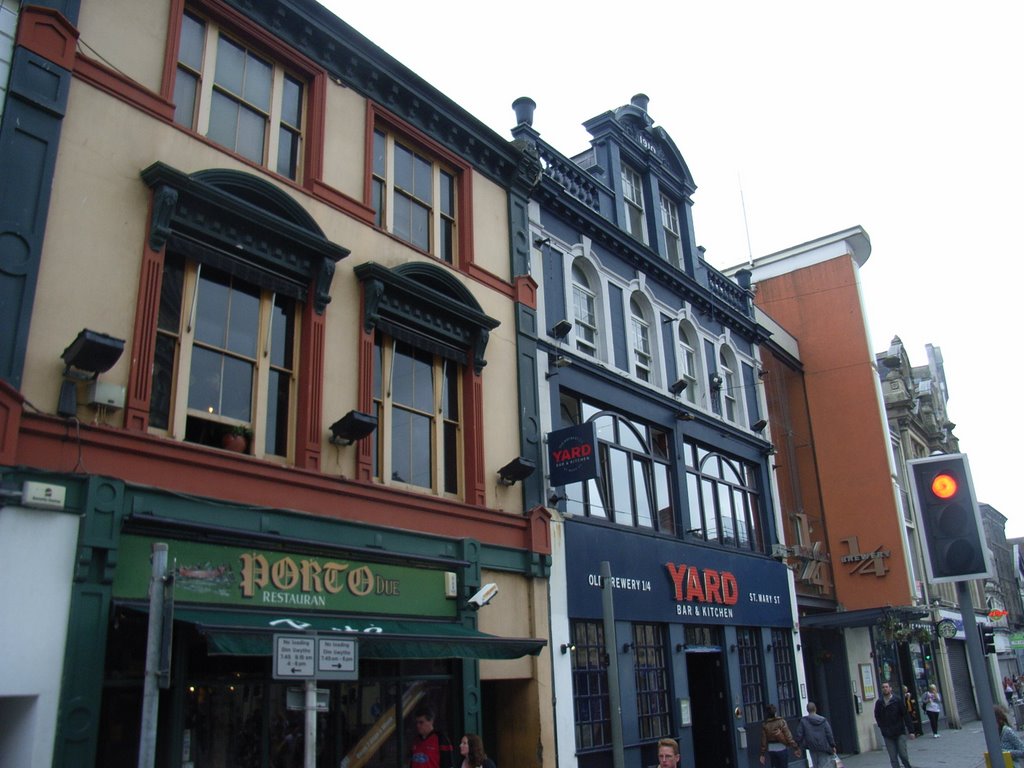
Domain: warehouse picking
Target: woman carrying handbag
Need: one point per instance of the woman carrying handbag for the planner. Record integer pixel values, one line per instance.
(775, 738)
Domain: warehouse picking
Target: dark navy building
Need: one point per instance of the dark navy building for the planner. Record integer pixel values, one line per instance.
(667, 605)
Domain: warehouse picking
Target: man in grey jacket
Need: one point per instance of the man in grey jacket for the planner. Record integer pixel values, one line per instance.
(814, 733)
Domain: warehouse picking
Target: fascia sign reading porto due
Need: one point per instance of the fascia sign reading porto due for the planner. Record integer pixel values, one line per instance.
(572, 454)
(660, 580)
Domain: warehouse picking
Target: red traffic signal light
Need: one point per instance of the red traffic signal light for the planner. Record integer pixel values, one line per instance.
(949, 520)
(944, 485)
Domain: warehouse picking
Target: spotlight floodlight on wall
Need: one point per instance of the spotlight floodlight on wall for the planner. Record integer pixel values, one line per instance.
(677, 386)
(85, 358)
(566, 647)
(352, 427)
(716, 381)
(518, 469)
(759, 425)
(561, 329)
(92, 352)
(554, 363)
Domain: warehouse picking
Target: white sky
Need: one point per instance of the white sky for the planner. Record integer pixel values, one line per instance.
(901, 116)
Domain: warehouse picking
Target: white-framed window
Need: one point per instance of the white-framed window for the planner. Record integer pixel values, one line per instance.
(633, 199)
(414, 195)
(225, 360)
(634, 488)
(727, 371)
(688, 361)
(723, 499)
(584, 309)
(673, 234)
(417, 396)
(238, 97)
(643, 357)
(8, 28)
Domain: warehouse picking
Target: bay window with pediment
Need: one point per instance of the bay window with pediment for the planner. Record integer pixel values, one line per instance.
(424, 337)
(235, 281)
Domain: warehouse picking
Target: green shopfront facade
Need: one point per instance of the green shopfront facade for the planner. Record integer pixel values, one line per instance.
(239, 576)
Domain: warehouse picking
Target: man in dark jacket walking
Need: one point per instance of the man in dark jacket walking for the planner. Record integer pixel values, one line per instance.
(894, 723)
(814, 734)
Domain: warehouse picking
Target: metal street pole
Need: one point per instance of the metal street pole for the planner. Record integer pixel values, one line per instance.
(980, 670)
(310, 740)
(150, 690)
(612, 651)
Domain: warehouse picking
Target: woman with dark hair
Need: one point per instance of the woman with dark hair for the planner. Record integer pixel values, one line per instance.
(1008, 738)
(472, 750)
(775, 737)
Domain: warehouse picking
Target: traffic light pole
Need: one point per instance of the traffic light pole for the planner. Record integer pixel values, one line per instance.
(980, 670)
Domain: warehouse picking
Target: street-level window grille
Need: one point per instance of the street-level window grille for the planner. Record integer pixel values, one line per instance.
(591, 704)
(748, 649)
(651, 676)
(785, 673)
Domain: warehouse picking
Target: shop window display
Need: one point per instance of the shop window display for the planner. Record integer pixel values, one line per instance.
(229, 712)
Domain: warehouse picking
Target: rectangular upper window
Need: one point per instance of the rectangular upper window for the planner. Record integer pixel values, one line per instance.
(238, 97)
(673, 236)
(415, 194)
(633, 199)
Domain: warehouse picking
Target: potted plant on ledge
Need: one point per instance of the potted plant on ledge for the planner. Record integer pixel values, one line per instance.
(236, 438)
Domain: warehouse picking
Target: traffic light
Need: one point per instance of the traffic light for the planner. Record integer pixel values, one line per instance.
(988, 639)
(952, 534)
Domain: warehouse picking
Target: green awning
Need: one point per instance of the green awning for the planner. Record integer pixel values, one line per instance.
(250, 633)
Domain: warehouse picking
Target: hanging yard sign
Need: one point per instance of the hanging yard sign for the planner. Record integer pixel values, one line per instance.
(572, 454)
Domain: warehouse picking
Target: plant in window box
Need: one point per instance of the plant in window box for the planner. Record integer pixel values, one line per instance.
(236, 438)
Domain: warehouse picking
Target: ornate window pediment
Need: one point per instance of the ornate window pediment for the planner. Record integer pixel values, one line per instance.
(425, 306)
(244, 226)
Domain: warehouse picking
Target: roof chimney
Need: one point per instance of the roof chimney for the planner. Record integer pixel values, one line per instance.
(524, 107)
(640, 100)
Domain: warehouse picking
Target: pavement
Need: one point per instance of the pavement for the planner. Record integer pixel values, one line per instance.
(960, 748)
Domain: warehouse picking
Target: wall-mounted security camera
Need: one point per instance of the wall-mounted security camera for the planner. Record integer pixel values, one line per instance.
(484, 596)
